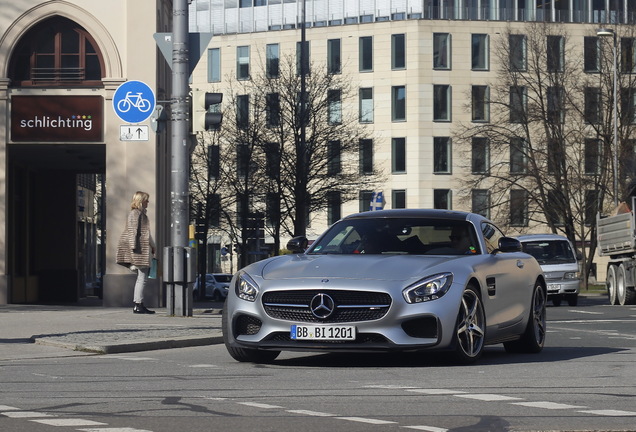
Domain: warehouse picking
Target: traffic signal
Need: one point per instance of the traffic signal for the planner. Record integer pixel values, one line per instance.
(206, 110)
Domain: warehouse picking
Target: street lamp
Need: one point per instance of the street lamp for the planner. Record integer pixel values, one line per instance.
(605, 32)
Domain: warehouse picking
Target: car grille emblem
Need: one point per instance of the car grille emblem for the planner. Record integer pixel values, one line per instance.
(322, 306)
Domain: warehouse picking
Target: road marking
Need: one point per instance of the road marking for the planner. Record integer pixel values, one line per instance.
(436, 391)
(311, 413)
(260, 405)
(426, 428)
(613, 413)
(7, 408)
(487, 397)
(586, 312)
(69, 422)
(366, 420)
(547, 405)
(203, 366)
(113, 429)
(25, 414)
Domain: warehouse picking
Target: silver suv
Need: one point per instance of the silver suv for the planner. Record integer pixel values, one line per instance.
(559, 262)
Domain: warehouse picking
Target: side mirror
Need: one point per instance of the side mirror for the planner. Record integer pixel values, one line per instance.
(509, 244)
(297, 244)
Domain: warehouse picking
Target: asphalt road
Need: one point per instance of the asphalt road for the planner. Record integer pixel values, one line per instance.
(584, 380)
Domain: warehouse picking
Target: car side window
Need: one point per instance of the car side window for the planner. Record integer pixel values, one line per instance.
(492, 234)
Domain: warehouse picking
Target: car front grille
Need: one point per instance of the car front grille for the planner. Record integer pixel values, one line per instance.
(350, 306)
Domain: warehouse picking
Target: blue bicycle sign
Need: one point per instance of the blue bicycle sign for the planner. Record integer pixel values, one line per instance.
(134, 101)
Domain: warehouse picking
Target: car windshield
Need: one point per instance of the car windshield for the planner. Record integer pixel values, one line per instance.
(550, 251)
(223, 278)
(403, 236)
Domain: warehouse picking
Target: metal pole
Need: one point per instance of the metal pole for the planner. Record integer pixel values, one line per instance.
(615, 123)
(178, 261)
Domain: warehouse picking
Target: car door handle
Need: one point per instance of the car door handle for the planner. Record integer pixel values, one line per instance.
(520, 264)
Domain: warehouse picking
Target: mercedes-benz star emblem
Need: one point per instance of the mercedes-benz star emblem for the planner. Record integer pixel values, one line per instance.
(322, 306)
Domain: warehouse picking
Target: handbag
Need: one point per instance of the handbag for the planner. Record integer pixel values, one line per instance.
(152, 274)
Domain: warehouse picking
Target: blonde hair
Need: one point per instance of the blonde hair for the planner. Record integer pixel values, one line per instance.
(138, 198)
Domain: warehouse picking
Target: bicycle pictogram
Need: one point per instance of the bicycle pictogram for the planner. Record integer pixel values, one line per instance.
(134, 100)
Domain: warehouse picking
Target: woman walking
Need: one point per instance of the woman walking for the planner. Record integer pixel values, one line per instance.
(137, 248)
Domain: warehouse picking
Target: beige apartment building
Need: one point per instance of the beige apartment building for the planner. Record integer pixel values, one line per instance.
(68, 172)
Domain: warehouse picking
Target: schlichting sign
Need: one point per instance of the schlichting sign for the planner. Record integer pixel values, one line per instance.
(57, 118)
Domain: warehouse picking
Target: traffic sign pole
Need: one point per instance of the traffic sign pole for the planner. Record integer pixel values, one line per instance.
(178, 283)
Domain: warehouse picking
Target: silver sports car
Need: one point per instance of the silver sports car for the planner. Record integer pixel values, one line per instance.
(404, 280)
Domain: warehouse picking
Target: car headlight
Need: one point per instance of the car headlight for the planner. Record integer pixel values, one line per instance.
(571, 275)
(246, 288)
(430, 288)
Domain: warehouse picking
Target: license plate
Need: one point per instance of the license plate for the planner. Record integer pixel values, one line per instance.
(303, 332)
(554, 287)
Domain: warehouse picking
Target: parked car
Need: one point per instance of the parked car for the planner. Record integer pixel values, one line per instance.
(400, 280)
(560, 264)
(216, 286)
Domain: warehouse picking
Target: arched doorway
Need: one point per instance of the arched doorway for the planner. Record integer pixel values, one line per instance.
(56, 161)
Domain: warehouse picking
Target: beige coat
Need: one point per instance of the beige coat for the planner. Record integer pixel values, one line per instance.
(125, 254)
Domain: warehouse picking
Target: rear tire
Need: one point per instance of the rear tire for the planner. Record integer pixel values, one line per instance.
(624, 295)
(470, 328)
(611, 284)
(556, 301)
(243, 354)
(573, 299)
(533, 337)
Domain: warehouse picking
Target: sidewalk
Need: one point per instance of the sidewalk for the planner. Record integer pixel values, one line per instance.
(26, 329)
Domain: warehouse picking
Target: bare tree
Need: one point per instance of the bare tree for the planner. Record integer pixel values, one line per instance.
(548, 137)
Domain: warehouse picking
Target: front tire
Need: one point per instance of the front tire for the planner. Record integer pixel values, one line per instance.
(533, 338)
(470, 329)
(243, 354)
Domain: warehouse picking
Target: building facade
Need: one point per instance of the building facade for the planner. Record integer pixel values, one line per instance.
(68, 172)
(423, 69)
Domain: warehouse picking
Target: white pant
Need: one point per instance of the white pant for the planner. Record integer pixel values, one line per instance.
(140, 284)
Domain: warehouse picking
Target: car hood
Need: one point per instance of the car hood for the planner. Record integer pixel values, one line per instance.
(375, 267)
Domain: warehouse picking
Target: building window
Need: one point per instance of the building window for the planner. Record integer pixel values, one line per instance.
(334, 162)
(518, 159)
(398, 198)
(56, 52)
(556, 156)
(334, 207)
(366, 105)
(518, 208)
(556, 105)
(273, 61)
(272, 160)
(299, 58)
(366, 54)
(442, 199)
(480, 202)
(480, 155)
(334, 107)
(441, 155)
(593, 156)
(555, 207)
(518, 101)
(272, 110)
(480, 103)
(243, 111)
(214, 65)
(441, 51)
(398, 51)
(591, 54)
(243, 156)
(518, 52)
(556, 53)
(628, 105)
(364, 200)
(215, 210)
(272, 208)
(592, 105)
(243, 62)
(214, 165)
(334, 56)
(479, 52)
(398, 103)
(441, 103)
(398, 155)
(591, 206)
(366, 156)
(628, 59)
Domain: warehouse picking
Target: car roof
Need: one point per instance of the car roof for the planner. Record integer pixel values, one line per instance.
(416, 213)
(540, 237)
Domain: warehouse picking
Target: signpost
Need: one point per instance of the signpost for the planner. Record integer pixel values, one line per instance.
(134, 101)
